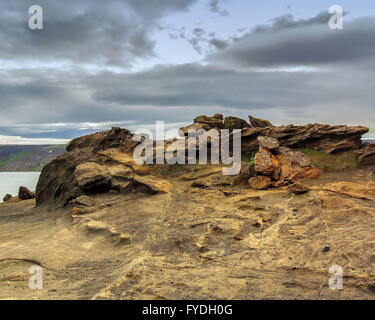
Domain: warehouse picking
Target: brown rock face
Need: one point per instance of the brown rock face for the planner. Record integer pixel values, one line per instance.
(282, 164)
(296, 165)
(91, 176)
(366, 155)
(260, 182)
(265, 163)
(260, 123)
(212, 122)
(245, 174)
(268, 143)
(7, 197)
(25, 194)
(235, 123)
(80, 169)
(325, 138)
(114, 138)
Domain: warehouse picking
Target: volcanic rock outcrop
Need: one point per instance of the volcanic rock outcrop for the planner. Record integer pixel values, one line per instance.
(320, 137)
(278, 166)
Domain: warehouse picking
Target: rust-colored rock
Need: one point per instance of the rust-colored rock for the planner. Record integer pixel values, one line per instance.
(260, 182)
(296, 165)
(265, 163)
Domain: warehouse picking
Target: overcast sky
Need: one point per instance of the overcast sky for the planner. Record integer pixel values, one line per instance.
(98, 64)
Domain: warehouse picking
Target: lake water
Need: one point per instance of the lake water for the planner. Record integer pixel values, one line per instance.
(11, 181)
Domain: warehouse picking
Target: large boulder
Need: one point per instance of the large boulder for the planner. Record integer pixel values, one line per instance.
(25, 194)
(296, 165)
(232, 123)
(260, 123)
(80, 169)
(265, 163)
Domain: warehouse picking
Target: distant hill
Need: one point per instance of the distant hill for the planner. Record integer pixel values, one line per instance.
(27, 158)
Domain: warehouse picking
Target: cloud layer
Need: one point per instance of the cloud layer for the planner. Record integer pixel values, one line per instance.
(289, 71)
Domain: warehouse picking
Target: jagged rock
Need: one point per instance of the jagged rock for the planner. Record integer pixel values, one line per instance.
(366, 155)
(114, 138)
(324, 138)
(265, 163)
(268, 143)
(298, 188)
(7, 198)
(296, 165)
(92, 176)
(259, 123)
(25, 194)
(260, 182)
(212, 122)
(218, 116)
(232, 123)
(195, 127)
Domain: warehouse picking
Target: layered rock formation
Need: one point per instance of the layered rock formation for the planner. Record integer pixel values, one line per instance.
(320, 137)
(106, 228)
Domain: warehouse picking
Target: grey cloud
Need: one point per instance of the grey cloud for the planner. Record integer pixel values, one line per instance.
(214, 6)
(97, 32)
(288, 43)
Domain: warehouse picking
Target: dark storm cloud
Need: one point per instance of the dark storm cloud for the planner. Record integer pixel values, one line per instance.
(97, 32)
(289, 43)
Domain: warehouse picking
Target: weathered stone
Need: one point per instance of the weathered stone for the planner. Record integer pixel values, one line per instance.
(268, 143)
(245, 174)
(296, 165)
(298, 188)
(7, 198)
(260, 182)
(265, 163)
(366, 155)
(324, 138)
(84, 201)
(210, 121)
(232, 123)
(25, 194)
(114, 138)
(259, 123)
(152, 184)
(92, 176)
